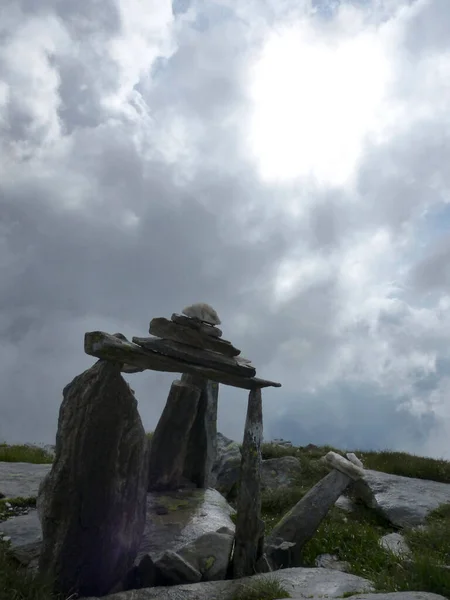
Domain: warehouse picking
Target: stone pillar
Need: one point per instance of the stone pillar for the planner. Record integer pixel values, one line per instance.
(202, 444)
(249, 526)
(170, 440)
(92, 503)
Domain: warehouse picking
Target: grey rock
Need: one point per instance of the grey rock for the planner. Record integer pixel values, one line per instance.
(281, 442)
(92, 503)
(210, 555)
(263, 565)
(279, 473)
(395, 543)
(175, 569)
(227, 465)
(202, 443)
(27, 555)
(351, 456)
(300, 582)
(249, 538)
(404, 501)
(22, 530)
(275, 472)
(143, 575)
(301, 522)
(18, 479)
(331, 561)
(338, 462)
(345, 503)
(189, 515)
(170, 439)
(203, 312)
(226, 530)
(279, 553)
(385, 596)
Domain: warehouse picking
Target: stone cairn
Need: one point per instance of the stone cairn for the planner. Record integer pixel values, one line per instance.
(101, 447)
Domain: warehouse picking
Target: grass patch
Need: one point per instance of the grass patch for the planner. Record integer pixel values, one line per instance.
(396, 463)
(354, 537)
(268, 588)
(25, 453)
(18, 584)
(269, 450)
(5, 505)
(407, 465)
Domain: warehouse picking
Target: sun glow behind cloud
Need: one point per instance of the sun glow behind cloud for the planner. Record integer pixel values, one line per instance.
(315, 98)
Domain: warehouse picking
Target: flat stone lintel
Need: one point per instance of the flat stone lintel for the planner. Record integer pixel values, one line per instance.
(135, 358)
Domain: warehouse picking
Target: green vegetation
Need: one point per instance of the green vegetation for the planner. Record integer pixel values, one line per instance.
(267, 589)
(25, 453)
(17, 584)
(5, 505)
(352, 537)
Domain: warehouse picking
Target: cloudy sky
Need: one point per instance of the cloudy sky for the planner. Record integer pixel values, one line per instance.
(286, 161)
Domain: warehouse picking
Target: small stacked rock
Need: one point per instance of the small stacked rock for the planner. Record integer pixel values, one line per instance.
(203, 312)
(196, 327)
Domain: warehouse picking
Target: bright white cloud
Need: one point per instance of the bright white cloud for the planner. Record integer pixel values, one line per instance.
(317, 95)
(281, 166)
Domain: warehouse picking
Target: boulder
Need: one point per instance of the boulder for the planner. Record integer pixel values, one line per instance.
(304, 583)
(174, 569)
(92, 502)
(202, 442)
(183, 522)
(226, 466)
(275, 472)
(404, 501)
(280, 472)
(331, 561)
(395, 543)
(170, 439)
(210, 554)
(345, 503)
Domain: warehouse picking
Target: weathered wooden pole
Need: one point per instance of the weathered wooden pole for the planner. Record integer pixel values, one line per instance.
(249, 526)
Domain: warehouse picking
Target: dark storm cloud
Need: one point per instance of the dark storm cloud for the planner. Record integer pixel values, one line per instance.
(432, 273)
(353, 417)
(129, 209)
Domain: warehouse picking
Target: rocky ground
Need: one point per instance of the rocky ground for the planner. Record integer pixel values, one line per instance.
(388, 534)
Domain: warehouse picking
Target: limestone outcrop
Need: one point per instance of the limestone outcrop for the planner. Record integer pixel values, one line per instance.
(403, 501)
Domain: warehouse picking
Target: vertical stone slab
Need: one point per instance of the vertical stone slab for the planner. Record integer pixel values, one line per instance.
(171, 436)
(248, 543)
(202, 444)
(92, 502)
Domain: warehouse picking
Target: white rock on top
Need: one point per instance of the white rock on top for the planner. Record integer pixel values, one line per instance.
(203, 312)
(351, 456)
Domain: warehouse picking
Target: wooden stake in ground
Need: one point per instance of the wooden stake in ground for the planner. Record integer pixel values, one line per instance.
(248, 520)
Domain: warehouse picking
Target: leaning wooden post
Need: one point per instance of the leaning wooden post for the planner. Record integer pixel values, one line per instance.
(248, 521)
